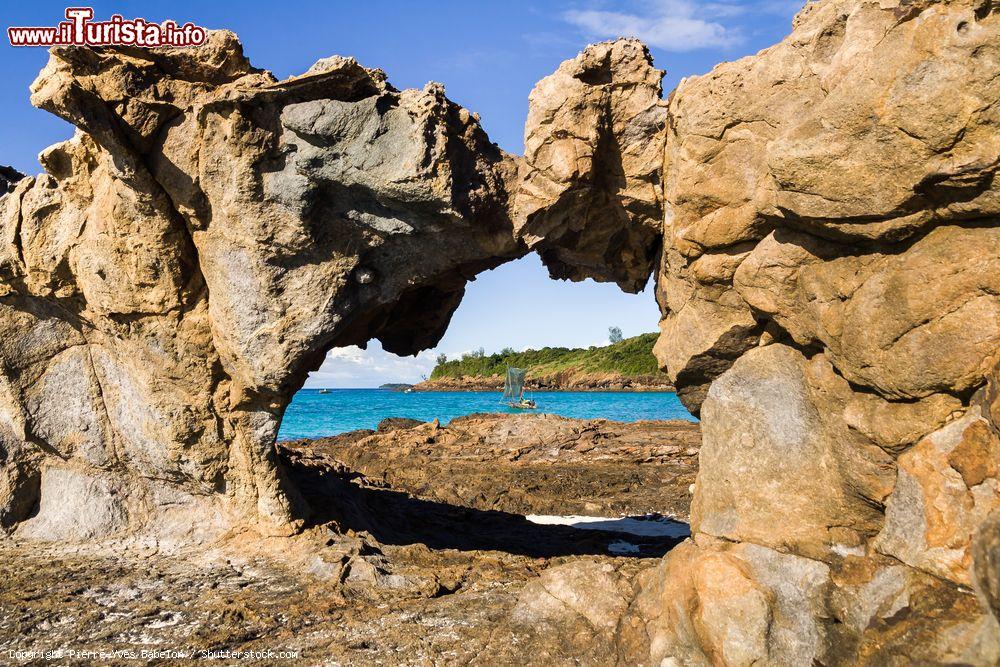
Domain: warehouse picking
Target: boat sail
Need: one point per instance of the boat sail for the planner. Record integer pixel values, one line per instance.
(513, 390)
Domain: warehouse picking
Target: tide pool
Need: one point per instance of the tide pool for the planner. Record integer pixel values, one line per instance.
(314, 415)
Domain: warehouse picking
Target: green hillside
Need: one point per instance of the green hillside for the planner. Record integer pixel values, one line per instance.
(631, 357)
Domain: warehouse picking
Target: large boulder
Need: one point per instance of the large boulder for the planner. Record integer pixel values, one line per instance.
(804, 192)
(831, 305)
(729, 605)
(775, 442)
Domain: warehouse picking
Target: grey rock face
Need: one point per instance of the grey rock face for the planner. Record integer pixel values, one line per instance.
(775, 443)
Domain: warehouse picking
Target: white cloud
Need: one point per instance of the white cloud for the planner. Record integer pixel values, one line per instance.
(672, 25)
(354, 367)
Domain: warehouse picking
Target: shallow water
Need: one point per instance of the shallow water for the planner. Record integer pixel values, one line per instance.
(314, 415)
(650, 525)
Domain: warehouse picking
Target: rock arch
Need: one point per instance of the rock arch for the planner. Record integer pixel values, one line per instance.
(822, 218)
(210, 232)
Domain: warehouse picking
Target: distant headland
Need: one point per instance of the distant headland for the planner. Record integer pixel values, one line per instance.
(625, 365)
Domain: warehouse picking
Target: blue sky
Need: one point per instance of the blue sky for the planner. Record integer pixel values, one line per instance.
(488, 54)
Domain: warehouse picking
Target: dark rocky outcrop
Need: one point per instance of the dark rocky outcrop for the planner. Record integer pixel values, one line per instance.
(8, 179)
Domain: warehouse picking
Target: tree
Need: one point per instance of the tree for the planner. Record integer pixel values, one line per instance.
(442, 359)
(615, 334)
(507, 351)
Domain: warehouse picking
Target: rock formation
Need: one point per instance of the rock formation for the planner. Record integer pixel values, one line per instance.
(526, 464)
(589, 200)
(831, 294)
(210, 232)
(822, 217)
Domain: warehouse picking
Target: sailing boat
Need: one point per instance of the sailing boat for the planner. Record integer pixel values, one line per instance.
(513, 390)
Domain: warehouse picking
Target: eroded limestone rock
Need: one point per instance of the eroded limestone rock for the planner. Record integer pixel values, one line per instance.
(210, 232)
(831, 302)
(589, 198)
(812, 185)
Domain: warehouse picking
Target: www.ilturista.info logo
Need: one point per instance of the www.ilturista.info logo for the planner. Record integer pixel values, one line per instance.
(80, 30)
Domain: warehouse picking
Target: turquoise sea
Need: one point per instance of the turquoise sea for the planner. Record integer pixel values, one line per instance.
(314, 415)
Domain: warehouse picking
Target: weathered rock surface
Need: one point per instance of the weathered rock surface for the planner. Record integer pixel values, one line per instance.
(986, 551)
(831, 301)
(827, 211)
(382, 576)
(774, 442)
(356, 603)
(527, 464)
(589, 198)
(210, 232)
(804, 190)
(946, 487)
(714, 602)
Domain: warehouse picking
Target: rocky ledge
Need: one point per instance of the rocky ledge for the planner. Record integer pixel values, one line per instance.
(419, 552)
(360, 602)
(525, 464)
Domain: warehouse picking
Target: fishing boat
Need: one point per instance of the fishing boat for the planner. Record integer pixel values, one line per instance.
(513, 390)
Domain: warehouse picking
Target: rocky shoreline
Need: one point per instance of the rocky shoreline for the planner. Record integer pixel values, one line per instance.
(419, 549)
(525, 464)
(563, 381)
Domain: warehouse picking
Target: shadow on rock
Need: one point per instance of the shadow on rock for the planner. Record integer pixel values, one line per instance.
(344, 498)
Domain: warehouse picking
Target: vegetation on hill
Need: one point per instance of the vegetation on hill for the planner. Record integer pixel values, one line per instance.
(629, 357)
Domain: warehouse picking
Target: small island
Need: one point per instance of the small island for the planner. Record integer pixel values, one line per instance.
(625, 365)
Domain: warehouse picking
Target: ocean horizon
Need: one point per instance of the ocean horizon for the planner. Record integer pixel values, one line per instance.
(312, 414)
